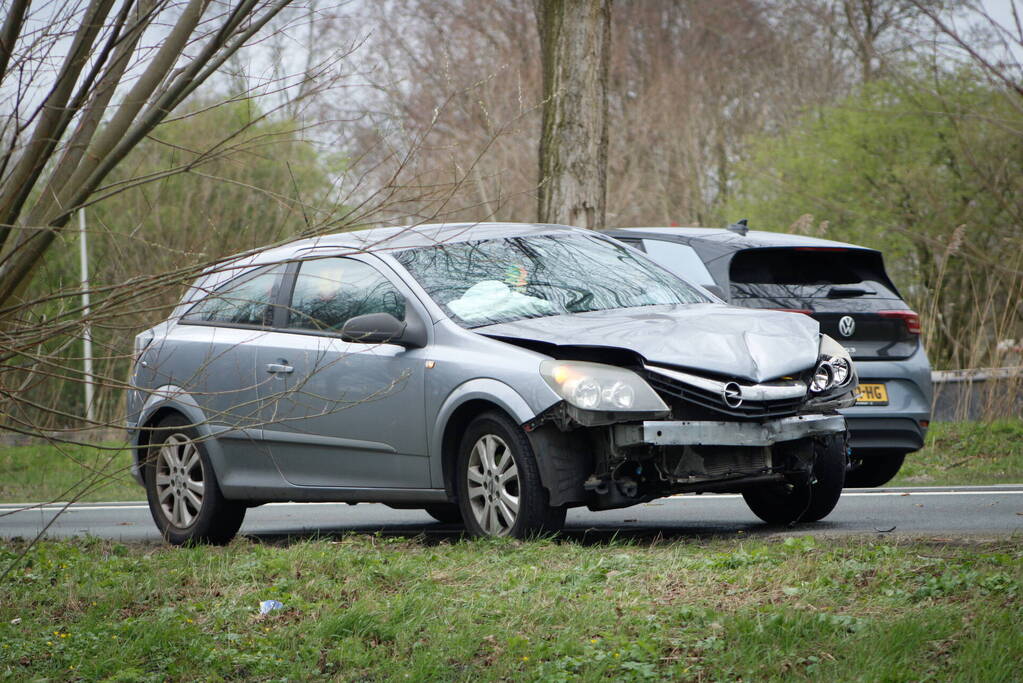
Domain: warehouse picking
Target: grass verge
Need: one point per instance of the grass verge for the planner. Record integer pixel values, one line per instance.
(48, 472)
(967, 453)
(957, 454)
(369, 608)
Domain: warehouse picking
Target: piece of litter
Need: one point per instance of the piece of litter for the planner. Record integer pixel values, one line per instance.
(268, 606)
(884, 531)
(919, 505)
(904, 495)
(16, 620)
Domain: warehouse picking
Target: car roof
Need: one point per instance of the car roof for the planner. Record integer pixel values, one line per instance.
(753, 239)
(403, 237)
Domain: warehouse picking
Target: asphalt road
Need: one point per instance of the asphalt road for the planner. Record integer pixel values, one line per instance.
(938, 512)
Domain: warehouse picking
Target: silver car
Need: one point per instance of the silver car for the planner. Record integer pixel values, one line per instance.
(492, 374)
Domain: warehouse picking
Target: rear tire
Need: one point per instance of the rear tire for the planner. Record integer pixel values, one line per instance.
(499, 487)
(787, 503)
(184, 496)
(874, 470)
(448, 513)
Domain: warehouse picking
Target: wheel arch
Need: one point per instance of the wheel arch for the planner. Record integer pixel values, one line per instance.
(162, 403)
(463, 404)
(455, 427)
(562, 460)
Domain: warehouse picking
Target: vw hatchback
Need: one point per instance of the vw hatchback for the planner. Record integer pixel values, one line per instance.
(491, 374)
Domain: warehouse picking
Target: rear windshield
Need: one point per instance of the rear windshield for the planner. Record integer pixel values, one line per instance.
(501, 280)
(808, 268)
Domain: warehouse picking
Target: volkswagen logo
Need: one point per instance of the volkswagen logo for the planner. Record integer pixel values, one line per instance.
(732, 394)
(846, 326)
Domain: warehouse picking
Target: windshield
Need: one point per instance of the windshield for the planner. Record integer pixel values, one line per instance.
(501, 280)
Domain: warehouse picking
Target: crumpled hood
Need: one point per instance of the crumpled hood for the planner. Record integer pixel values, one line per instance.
(752, 344)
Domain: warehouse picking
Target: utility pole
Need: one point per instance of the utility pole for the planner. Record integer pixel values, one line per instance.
(83, 251)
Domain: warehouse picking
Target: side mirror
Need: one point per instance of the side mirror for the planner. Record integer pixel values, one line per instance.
(384, 328)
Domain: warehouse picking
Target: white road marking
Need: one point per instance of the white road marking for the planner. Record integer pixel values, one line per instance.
(85, 507)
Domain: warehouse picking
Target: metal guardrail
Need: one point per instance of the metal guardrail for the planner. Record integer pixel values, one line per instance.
(979, 393)
(977, 374)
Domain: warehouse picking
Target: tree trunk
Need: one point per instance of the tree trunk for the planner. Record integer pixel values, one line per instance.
(575, 44)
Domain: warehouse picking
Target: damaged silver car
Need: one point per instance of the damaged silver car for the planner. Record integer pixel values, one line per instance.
(491, 374)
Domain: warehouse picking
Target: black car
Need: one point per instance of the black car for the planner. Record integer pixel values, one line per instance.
(846, 289)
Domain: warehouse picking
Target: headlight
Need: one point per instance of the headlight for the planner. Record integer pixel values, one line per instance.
(842, 370)
(823, 377)
(834, 369)
(593, 386)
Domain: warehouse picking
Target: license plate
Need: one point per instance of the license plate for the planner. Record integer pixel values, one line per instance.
(872, 395)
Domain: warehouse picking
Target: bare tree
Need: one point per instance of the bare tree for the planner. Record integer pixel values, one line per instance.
(575, 47)
(65, 131)
(688, 82)
(1001, 61)
(874, 33)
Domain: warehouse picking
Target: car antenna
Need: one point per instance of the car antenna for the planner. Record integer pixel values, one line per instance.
(740, 226)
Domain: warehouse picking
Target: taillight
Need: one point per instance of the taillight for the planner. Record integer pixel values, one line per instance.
(804, 311)
(911, 319)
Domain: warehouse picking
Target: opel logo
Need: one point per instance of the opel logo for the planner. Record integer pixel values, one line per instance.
(732, 393)
(846, 326)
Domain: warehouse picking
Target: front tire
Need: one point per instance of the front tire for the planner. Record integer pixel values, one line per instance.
(499, 488)
(787, 503)
(184, 496)
(874, 470)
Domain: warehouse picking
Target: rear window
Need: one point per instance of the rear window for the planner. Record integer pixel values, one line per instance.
(245, 300)
(813, 268)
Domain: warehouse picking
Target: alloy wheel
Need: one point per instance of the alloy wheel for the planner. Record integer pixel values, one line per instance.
(493, 485)
(180, 480)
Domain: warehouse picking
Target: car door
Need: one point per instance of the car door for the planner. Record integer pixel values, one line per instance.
(339, 413)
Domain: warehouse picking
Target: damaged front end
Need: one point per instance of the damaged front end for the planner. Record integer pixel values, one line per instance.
(626, 435)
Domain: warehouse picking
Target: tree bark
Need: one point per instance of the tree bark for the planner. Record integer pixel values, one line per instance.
(575, 44)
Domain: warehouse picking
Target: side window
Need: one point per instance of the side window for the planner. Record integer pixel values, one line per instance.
(245, 300)
(330, 291)
(680, 259)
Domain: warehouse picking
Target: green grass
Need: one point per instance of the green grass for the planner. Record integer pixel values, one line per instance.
(956, 454)
(964, 453)
(372, 608)
(52, 472)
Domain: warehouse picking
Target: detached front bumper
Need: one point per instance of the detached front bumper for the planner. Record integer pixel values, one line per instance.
(706, 433)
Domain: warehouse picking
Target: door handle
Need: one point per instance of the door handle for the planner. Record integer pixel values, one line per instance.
(279, 368)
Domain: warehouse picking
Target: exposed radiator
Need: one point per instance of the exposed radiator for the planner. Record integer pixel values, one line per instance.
(715, 462)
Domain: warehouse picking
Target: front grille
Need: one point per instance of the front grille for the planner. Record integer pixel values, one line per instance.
(683, 398)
